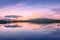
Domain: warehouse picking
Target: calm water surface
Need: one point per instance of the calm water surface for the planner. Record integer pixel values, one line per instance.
(29, 31)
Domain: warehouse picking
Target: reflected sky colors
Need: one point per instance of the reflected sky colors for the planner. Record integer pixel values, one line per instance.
(46, 28)
(31, 8)
(29, 31)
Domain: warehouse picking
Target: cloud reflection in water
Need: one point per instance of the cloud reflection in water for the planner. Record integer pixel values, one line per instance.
(30, 31)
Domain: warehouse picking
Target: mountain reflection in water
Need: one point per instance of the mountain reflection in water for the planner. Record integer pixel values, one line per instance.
(29, 31)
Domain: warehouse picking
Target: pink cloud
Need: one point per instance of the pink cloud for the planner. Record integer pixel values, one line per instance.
(28, 11)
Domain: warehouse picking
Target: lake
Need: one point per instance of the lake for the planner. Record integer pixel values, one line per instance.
(29, 31)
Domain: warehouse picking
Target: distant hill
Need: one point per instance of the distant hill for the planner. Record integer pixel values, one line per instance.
(36, 20)
(44, 20)
(41, 19)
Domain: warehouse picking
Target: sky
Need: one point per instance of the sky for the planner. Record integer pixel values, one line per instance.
(31, 8)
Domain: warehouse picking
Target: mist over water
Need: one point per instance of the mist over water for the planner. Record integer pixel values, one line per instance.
(29, 31)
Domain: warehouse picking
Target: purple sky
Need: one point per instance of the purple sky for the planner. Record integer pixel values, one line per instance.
(31, 8)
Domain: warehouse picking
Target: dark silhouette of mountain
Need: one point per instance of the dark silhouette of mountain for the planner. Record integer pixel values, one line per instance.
(36, 20)
(44, 20)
